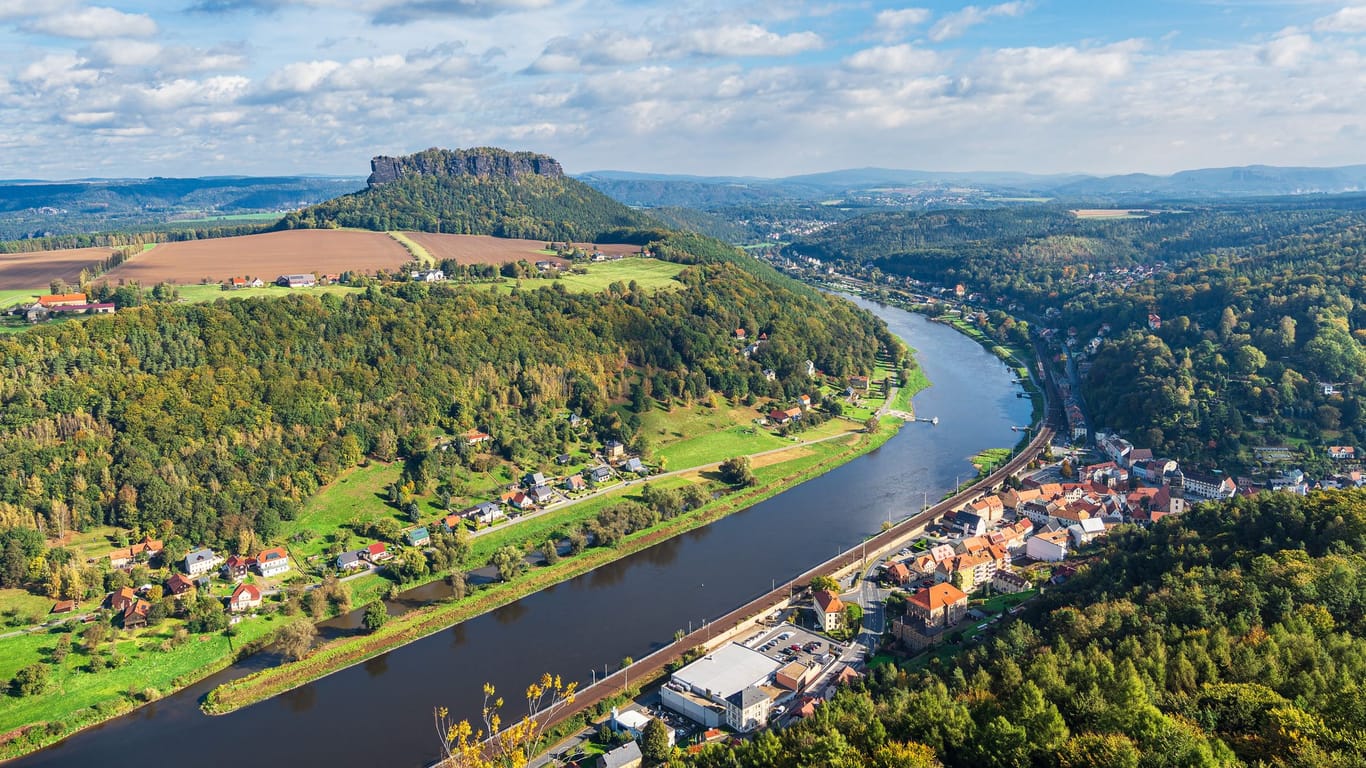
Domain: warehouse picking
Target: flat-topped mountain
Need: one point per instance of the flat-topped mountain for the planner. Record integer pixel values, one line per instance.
(480, 191)
(483, 162)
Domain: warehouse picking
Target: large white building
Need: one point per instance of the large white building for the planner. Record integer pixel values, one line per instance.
(730, 686)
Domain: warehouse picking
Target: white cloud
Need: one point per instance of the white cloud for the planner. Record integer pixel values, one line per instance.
(955, 24)
(891, 25)
(124, 53)
(747, 40)
(58, 71)
(894, 59)
(1288, 50)
(1350, 20)
(301, 76)
(94, 23)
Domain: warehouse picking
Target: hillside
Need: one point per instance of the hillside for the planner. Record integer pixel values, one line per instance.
(1231, 636)
(482, 191)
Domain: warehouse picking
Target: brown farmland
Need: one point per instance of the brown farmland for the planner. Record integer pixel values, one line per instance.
(38, 269)
(483, 249)
(267, 256)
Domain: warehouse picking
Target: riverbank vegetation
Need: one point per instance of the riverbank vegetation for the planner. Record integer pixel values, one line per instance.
(1230, 636)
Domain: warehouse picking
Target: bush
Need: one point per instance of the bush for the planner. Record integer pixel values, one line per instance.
(29, 681)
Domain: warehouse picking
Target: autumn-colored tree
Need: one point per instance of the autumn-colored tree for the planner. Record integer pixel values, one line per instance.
(464, 745)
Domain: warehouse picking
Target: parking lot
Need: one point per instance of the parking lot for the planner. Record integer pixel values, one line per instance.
(788, 643)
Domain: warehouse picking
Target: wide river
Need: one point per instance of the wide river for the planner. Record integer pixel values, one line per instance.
(380, 713)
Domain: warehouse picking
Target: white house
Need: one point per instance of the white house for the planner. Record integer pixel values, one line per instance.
(1049, 547)
(829, 610)
(201, 561)
(272, 562)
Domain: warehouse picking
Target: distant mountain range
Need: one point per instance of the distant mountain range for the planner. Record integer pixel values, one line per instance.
(651, 190)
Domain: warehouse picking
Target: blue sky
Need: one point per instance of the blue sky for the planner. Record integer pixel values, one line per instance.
(765, 87)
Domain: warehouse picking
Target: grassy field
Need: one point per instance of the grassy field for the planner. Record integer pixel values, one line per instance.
(648, 274)
(354, 496)
(11, 296)
(76, 698)
(21, 608)
(231, 217)
(415, 248)
(198, 294)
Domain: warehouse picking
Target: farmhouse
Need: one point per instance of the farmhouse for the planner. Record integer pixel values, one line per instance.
(272, 562)
(179, 585)
(54, 300)
(201, 561)
(296, 281)
(475, 437)
(377, 552)
(244, 598)
(243, 282)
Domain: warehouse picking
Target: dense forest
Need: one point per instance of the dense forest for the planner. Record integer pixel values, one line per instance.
(1234, 635)
(198, 422)
(529, 206)
(1260, 307)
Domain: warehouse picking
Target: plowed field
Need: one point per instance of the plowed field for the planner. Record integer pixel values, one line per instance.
(38, 269)
(266, 256)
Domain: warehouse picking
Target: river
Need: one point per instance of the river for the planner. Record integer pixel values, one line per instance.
(380, 712)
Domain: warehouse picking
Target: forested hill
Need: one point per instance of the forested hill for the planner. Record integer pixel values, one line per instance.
(204, 421)
(481, 191)
(1235, 635)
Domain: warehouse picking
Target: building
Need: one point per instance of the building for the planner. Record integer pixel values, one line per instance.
(120, 600)
(1049, 547)
(1342, 452)
(179, 585)
(969, 523)
(796, 676)
(930, 613)
(244, 598)
(475, 437)
(626, 756)
(633, 722)
(378, 552)
(600, 475)
(135, 615)
(418, 537)
(1208, 487)
(236, 567)
(55, 300)
(637, 466)
(143, 551)
(242, 282)
(898, 573)
(829, 610)
(296, 281)
(201, 561)
(858, 382)
(427, 276)
(272, 562)
(543, 494)
(575, 483)
(1009, 582)
(351, 561)
(703, 690)
(533, 479)
(613, 449)
(485, 513)
(1086, 531)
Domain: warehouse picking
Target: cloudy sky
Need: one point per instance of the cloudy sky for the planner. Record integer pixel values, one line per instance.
(755, 87)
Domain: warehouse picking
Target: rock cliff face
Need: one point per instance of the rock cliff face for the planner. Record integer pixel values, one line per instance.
(480, 161)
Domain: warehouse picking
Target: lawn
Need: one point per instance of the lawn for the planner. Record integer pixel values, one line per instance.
(648, 274)
(11, 296)
(21, 608)
(231, 217)
(355, 495)
(197, 294)
(419, 253)
(73, 692)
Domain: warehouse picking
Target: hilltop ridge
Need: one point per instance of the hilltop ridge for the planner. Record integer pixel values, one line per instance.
(483, 162)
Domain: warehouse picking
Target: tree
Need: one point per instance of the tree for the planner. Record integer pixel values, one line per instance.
(654, 743)
(823, 582)
(29, 681)
(509, 562)
(464, 745)
(296, 639)
(736, 471)
(13, 564)
(375, 615)
(871, 425)
(207, 615)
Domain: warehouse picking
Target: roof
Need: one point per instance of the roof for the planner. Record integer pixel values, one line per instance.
(61, 297)
(250, 591)
(418, 534)
(178, 582)
(626, 754)
(373, 549)
(828, 601)
(727, 670)
(1093, 525)
(938, 596)
(350, 557)
(199, 554)
(272, 554)
(747, 697)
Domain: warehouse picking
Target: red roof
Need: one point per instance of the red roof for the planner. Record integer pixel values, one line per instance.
(61, 298)
(938, 596)
(829, 601)
(377, 548)
(247, 592)
(274, 553)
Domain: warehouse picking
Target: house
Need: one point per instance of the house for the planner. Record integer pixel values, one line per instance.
(969, 524)
(989, 508)
(201, 561)
(121, 599)
(1154, 321)
(296, 281)
(542, 494)
(779, 417)
(858, 382)
(55, 300)
(351, 561)
(1050, 546)
(236, 567)
(427, 276)
(633, 722)
(533, 479)
(625, 756)
(1086, 531)
(244, 598)
(563, 459)
(930, 613)
(613, 449)
(1117, 448)
(748, 709)
(378, 552)
(135, 615)
(475, 437)
(520, 501)
(63, 606)
(545, 265)
(829, 610)
(898, 573)
(179, 585)
(1208, 486)
(600, 475)
(969, 572)
(1342, 452)
(485, 512)
(143, 551)
(770, 374)
(242, 282)
(740, 334)
(637, 466)
(804, 402)
(1009, 582)
(272, 562)
(575, 483)
(810, 369)
(575, 420)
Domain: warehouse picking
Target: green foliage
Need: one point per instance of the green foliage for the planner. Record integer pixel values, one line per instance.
(823, 582)
(736, 471)
(1235, 635)
(375, 615)
(29, 681)
(654, 743)
(509, 562)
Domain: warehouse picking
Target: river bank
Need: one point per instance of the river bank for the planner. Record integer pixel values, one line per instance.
(379, 711)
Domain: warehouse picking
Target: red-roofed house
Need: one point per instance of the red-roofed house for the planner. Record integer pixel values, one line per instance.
(120, 600)
(377, 552)
(244, 598)
(475, 437)
(898, 573)
(236, 567)
(62, 300)
(829, 610)
(929, 614)
(272, 562)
